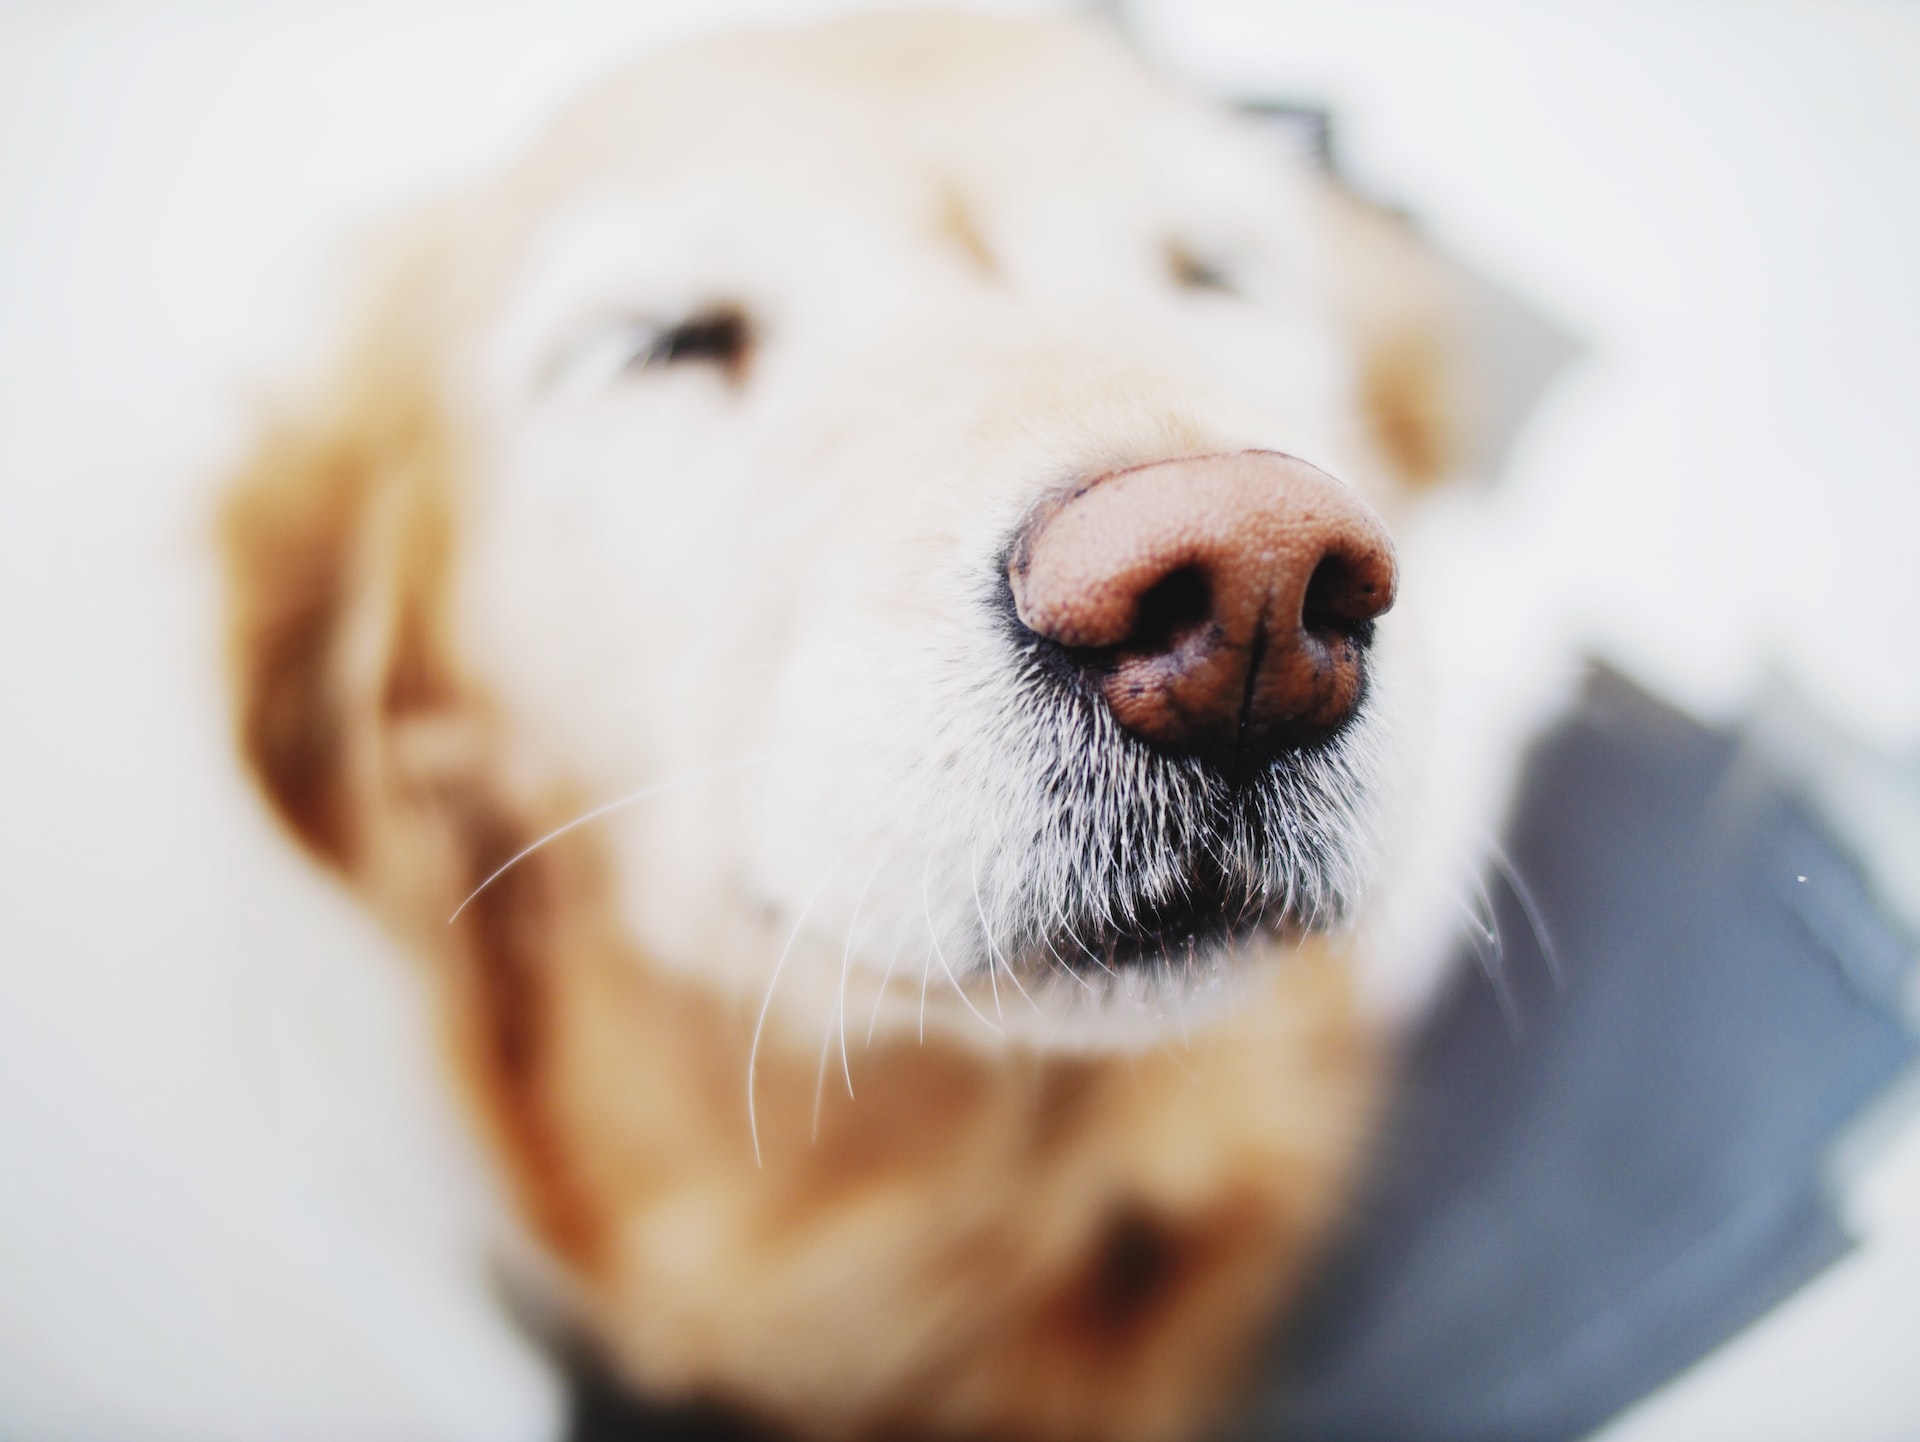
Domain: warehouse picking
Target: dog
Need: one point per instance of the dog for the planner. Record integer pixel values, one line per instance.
(844, 610)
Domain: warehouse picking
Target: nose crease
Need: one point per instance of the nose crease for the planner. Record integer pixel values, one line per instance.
(1256, 655)
(1288, 570)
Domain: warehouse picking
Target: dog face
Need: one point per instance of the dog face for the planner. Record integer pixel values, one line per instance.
(775, 351)
(878, 528)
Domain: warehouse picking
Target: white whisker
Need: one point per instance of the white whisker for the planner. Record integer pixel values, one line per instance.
(1062, 962)
(1493, 966)
(1523, 894)
(820, 1081)
(926, 975)
(766, 1004)
(1179, 1063)
(604, 809)
(1480, 928)
(987, 932)
(996, 957)
(926, 963)
(959, 991)
(885, 978)
(846, 963)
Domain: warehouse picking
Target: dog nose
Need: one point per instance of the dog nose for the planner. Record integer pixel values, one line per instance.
(1222, 604)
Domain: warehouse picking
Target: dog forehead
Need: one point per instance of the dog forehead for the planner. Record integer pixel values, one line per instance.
(880, 98)
(818, 151)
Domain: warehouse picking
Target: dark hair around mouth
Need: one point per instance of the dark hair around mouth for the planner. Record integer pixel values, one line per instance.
(1213, 913)
(1172, 859)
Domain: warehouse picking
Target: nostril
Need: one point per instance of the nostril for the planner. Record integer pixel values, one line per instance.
(1343, 598)
(1170, 610)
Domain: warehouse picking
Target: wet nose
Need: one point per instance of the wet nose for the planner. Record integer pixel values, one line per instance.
(1221, 604)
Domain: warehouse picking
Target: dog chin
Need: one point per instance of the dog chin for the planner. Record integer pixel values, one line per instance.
(1166, 969)
(1160, 998)
(1197, 867)
(1139, 962)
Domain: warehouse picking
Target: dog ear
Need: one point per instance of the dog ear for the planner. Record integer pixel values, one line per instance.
(379, 751)
(334, 537)
(1450, 363)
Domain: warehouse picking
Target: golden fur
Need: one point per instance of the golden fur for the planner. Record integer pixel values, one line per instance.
(989, 1240)
(1019, 1244)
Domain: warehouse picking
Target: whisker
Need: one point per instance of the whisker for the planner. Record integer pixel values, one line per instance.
(1493, 919)
(1074, 936)
(820, 1081)
(959, 991)
(846, 963)
(926, 975)
(1480, 928)
(987, 932)
(885, 977)
(1491, 967)
(926, 962)
(1179, 1063)
(766, 1004)
(1061, 961)
(1014, 978)
(643, 794)
(839, 1012)
(996, 957)
(1523, 894)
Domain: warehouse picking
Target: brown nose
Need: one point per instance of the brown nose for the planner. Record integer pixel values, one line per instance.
(1222, 603)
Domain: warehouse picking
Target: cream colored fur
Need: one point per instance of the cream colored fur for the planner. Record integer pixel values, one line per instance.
(958, 239)
(666, 711)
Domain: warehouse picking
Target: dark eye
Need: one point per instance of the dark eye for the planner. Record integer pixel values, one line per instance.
(619, 347)
(1194, 272)
(721, 337)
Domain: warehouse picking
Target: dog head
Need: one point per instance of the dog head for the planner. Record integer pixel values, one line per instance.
(915, 491)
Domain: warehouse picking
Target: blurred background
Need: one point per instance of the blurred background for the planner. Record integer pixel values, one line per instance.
(1718, 202)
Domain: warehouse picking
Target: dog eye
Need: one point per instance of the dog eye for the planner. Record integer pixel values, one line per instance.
(720, 336)
(624, 346)
(1191, 271)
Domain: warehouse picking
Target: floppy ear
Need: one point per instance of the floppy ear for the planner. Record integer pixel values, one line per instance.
(1451, 364)
(335, 540)
(380, 753)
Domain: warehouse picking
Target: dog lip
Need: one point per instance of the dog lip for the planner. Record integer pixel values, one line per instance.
(1213, 912)
(1170, 933)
